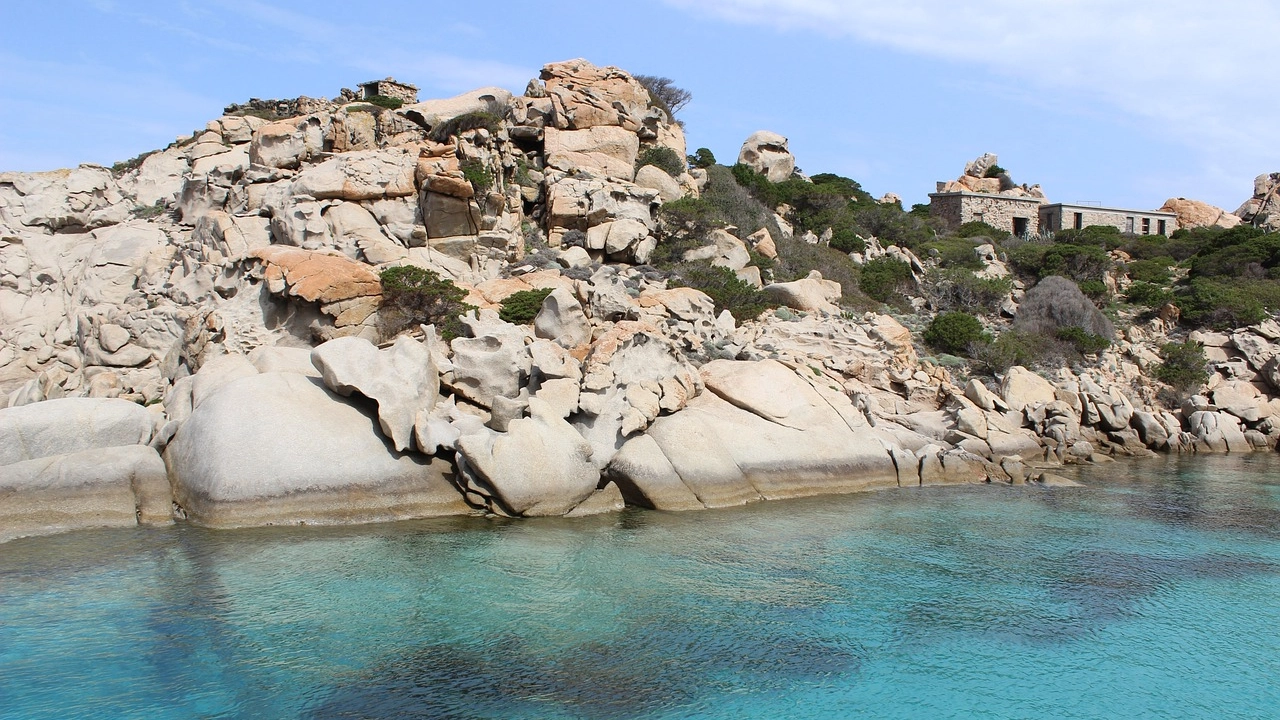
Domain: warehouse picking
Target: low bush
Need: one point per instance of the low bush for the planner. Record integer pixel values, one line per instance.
(663, 158)
(977, 228)
(846, 240)
(954, 332)
(1095, 290)
(960, 289)
(742, 299)
(383, 101)
(520, 308)
(1154, 270)
(1148, 295)
(480, 176)
(1056, 303)
(462, 123)
(954, 253)
(1084, 342)
(995, 171)
(1223, 304)
(886, 279)
(1184, 368)
(1077, 262)
(1011, 348)
(412, 295)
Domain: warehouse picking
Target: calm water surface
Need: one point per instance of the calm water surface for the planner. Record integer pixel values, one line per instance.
(1154, 592)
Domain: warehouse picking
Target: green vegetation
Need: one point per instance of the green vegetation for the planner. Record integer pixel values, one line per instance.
(886, 279)
(701, 158)
(1148, 295)
(520, 308)
(412, 295)
(995, 171)
(462, 123)
(476, 173)
(960, 289)
(1184, 368)
(797, 258)
(382, 101)
(132, 163)
(663, 158)
(954, 253)
(741, 299)
(1084, 342)
(954, 332)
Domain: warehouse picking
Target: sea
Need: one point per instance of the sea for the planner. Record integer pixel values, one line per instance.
(1152, 591)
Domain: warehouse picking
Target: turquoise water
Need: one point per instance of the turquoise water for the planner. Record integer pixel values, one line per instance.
(1154, 593)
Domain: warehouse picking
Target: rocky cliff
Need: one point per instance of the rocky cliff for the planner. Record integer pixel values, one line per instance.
(202, 334)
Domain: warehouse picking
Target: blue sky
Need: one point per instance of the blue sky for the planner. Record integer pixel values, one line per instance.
(1127, 102)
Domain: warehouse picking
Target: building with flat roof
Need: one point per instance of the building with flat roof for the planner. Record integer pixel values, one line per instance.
(1018, 215)
(390, 87)
(1066, 216)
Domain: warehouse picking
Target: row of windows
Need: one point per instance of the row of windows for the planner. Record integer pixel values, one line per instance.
(1077, 222)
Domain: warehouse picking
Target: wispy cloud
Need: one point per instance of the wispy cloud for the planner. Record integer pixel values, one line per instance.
(1193, 71)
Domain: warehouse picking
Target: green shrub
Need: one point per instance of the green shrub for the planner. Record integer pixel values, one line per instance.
(742, 299)
(885, 279)
(383, 101)
(1083, 341)
(701, 158)
(1093, 289)
(1154, 270)
(412, 295)
(1185, 366)
(954, 253)
(977, 228)
(476, 173)
(1011, 348)
(1148, 294)
(847, 240)
(663, 158)
(954, 332)
(520, 308)
(462, 123)
(1077, 262)
(1221, 304)
(995, 171)
(1106, 237)
(960, 289)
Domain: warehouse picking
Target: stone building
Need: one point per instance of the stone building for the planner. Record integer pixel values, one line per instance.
(390, 87)
(1065, 216)
(1018, 215)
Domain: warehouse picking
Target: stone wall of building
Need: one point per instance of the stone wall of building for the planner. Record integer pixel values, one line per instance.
(390, 88)
(1054, 218)
(998, 211)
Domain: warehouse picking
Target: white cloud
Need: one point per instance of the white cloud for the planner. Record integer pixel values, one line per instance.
(1193, 71)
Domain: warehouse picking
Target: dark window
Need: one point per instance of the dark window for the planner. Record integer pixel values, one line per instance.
(1146, 226)
(1020, 226)
(1128, 225)
(1160, 228)
(1079, 221)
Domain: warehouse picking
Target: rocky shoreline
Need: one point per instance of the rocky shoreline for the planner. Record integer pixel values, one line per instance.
(202, 336)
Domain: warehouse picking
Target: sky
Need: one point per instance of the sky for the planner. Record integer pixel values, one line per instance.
(1123, 102)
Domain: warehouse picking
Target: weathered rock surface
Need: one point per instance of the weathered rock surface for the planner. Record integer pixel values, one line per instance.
(768, 154)
(279, 448)
(401, 379)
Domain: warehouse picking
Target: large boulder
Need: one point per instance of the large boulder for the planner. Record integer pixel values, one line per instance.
(811, 294)
(540, 466)
(71, 425)
(562, 319)
(101, 487)
(768, 154)
(432, 113)
(361, 175)
(1021, 387)
(287, 143)
(1263, 209)
(279, 448)
(585, 96)
(603, 150)
(1194, 214)
(402, 379)
(761, 431)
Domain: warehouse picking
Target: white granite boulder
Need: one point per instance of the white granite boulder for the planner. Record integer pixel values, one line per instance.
(402, 380)
(279, 448)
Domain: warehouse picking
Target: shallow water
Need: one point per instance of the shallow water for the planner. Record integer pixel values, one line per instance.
(1153, 592)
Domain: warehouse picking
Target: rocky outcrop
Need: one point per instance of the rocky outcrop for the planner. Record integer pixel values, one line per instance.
(1194, 214)
(768, 153)
(279, 448)
(79, 463)
(1263, 209)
